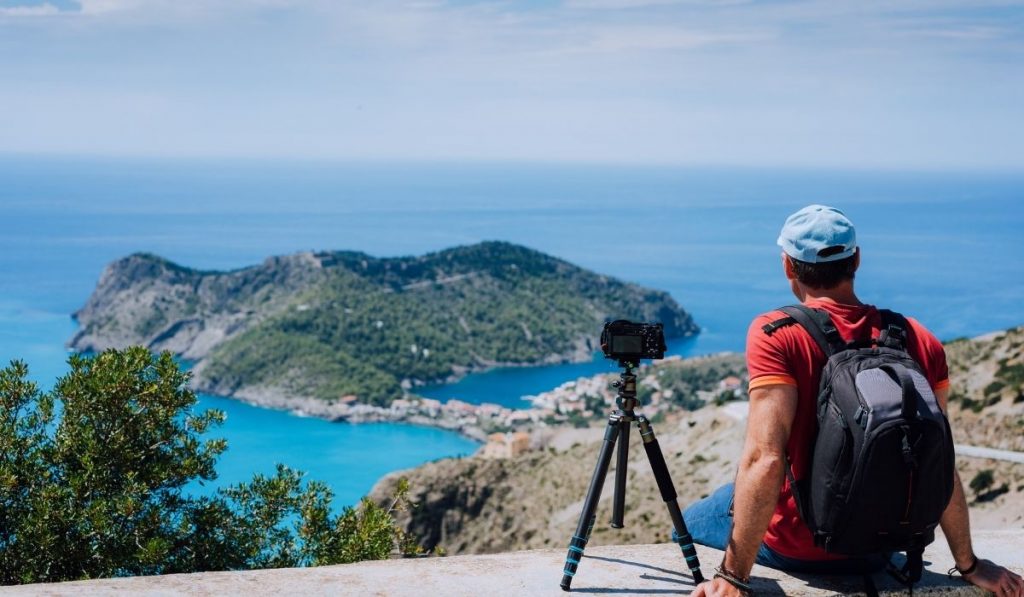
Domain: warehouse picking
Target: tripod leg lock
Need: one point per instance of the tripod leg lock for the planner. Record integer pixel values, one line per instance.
(685, 542)
(572, 559)
(646, 431)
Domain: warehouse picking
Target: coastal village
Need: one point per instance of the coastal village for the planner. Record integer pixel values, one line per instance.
(506, 431)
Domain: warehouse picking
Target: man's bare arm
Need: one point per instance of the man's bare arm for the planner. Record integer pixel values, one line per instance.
(955, 521)
(956, 526)
(762, 468)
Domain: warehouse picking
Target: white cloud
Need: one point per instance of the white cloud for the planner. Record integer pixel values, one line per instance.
(38, 10)
(966, 33)
(635, 4)
(684, 80)
(158, 10)
(94, 7)
(619, 38)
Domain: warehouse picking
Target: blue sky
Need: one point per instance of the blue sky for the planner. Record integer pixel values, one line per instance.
(821, 83)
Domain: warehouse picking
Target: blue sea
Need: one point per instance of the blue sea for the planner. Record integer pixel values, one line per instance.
(947, 248)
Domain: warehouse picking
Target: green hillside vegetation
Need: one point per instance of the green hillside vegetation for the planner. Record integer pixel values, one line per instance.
(681, 380)
(344, 323)
(678, 384)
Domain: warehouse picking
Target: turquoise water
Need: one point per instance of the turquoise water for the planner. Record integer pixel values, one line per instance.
(946, 248)
(349, 458)
(512, 386)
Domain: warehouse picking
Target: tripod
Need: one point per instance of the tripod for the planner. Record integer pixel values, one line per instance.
(618, 431)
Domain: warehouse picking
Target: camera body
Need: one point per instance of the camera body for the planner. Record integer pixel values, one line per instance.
(624, 340)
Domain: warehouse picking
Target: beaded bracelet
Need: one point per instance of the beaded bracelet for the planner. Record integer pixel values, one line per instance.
(970, 569)
(728, 577)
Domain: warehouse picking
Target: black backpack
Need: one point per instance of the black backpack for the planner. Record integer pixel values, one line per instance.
(881, 473)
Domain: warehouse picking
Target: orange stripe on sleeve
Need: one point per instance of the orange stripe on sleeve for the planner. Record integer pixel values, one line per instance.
(771, 380)
(942, 385)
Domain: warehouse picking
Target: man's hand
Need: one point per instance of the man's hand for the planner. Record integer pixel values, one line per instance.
(995, 578)
(717, 587)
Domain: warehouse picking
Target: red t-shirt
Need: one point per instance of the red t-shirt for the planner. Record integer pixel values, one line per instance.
(790, 356)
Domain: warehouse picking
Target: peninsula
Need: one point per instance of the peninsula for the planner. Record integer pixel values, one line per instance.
(315, 330)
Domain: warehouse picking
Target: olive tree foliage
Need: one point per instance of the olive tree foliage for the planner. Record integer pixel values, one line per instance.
(93, 479)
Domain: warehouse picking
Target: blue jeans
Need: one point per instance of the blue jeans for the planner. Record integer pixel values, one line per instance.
(710, 520)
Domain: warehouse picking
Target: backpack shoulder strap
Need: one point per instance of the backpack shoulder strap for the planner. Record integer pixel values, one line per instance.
(894, 330)
(819, 325)
(770, 327)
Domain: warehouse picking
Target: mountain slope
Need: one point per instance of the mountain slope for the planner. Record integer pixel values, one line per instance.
(474, 505)
(987, 389)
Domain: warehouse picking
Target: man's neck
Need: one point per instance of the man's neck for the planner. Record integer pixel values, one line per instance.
(842, 294)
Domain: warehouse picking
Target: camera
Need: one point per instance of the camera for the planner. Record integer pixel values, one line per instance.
(628, 341)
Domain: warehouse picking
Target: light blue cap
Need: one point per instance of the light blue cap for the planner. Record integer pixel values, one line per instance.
(818, 229)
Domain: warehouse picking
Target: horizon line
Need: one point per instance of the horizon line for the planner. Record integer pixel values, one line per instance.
(513, 161)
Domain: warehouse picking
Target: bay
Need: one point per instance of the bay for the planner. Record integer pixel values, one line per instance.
(348, 458)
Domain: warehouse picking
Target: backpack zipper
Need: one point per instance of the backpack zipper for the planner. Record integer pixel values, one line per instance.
(908, 460)
(910, 496)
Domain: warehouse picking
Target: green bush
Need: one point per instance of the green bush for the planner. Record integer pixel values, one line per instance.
(972, 405)
(982, 481)
(1011, 374)
(578, 420)
(993, 388)
(92, 478)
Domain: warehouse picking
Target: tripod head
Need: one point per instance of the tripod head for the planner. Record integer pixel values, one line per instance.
(626, 386)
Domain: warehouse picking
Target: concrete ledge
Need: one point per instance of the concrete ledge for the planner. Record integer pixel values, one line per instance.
(628, 569)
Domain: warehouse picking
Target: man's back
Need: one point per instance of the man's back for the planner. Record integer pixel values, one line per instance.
(790, 356)
(755, 519)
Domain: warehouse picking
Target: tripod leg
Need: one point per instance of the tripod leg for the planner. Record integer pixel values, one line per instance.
(668, 494)
(586, 523)
(621, 462)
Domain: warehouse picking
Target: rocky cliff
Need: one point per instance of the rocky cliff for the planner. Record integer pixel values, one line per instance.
(145, 299)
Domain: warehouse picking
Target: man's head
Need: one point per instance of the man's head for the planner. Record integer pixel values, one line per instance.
(819, 246)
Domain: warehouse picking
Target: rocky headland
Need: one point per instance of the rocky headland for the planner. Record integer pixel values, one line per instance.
(343, 334)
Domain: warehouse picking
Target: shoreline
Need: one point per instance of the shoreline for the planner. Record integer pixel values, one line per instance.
(473, 421)
(553, 408)
(425, 412)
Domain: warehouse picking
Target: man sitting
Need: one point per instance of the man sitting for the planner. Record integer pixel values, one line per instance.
(756, 519)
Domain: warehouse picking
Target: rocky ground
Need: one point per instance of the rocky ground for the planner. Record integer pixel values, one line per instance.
(618, 569)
